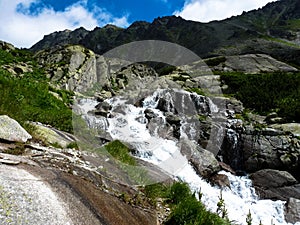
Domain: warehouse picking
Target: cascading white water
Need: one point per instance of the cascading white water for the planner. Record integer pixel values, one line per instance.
(128, 126)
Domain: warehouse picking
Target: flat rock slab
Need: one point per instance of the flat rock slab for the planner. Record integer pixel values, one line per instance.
(25, 199)
(11, 130)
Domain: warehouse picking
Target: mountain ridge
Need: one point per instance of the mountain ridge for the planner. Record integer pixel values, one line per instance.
(273, 29)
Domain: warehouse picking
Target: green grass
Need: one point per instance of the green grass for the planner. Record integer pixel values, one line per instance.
(185, 208)
(120, 152)
(267, 92)
(198, 91)
(281, 41)
(294, 24)
(28, 97)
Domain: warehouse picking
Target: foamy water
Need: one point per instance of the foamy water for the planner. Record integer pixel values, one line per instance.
(130, 126)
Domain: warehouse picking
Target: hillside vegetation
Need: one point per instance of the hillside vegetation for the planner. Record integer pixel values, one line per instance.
(29, 96)
(267, 92)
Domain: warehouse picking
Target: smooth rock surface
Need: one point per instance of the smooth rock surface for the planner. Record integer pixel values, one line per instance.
(52, 136)
(11, 130)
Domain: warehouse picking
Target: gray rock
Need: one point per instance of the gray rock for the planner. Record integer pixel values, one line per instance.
(203, 161)
(220, 180)
(274, 184)
(253, 63)
(11, 130)
(72, 68)
(292, 210)
(269, 178)
(293, 128)
(149, 114)
(52, 136)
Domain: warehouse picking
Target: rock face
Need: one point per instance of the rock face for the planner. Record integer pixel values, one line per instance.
(204, 162)
(72, 68)
(10, 130)
(250, 63)
(270, 148)
(274, 184)
(292, 210)
(6, 46)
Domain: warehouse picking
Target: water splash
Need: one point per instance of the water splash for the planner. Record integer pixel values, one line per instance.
(128, 126)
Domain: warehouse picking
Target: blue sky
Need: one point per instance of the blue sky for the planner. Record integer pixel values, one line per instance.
(25, 22)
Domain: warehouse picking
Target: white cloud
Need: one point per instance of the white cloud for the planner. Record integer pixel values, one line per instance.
(24, 29)
(208, 10)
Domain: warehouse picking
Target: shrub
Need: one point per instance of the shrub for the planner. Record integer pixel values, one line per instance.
(267, 92)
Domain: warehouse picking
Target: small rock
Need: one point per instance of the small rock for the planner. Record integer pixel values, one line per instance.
(226, 167)
(221, 180)
(149, 114)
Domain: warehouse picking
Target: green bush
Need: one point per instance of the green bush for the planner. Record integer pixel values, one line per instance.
(267, 92)
(120, 152)
(187, 210)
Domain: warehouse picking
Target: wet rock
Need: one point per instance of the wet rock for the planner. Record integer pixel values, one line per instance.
(226, 167)
(165, 106)
(172, 119)
(292, 210)
(103, 109)
(220, 180)
(11, 130)
(149, 114)
(203, 161)
(261, 152)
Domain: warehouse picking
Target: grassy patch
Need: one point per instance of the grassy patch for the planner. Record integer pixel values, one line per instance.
(185, 208)
(215, 61)
(198, 91)
(120, 152)
(28, 97)
(28, 100)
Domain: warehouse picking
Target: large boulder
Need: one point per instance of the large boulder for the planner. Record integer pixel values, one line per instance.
(271, 148)
(275, 184)
(52, 136)
(292, 210)
(11, 130)
(203, 161)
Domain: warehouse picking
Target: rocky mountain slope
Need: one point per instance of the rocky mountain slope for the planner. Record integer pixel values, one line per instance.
(72, 121)
(264, 146)
(273, 30)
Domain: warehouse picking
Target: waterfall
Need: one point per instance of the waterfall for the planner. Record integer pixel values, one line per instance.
(129, 124)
